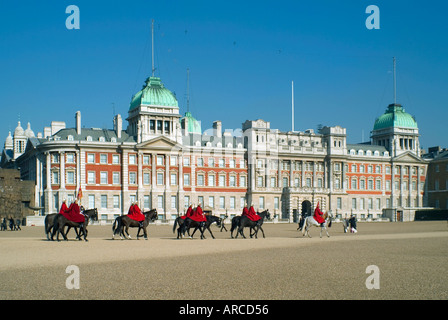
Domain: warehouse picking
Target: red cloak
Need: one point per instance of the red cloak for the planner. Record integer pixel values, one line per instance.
(251, 214)
(318, 215)
(135, 213)
(198, 215)
(74, 214)
(64, 208)
(188, 214)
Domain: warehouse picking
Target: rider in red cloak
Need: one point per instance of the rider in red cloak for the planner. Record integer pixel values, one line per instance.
(198, 215)
(74, 214)
(251, 214)
(64, 207)
(189, 212)
(135, 213)
(318, 215)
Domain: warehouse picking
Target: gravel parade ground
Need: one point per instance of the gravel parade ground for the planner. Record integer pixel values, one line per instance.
(411, 260)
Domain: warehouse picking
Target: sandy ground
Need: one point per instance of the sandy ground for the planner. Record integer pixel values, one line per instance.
(411, 258)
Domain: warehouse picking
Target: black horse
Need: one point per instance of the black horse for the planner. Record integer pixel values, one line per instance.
(123, 223)
(49, 223)
(60, 222)
(189, 223)
(179, 221)
(245, 222)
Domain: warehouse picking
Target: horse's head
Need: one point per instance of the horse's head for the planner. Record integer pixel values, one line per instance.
(151, 215)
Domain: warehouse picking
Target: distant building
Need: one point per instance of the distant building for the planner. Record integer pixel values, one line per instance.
(166, 161)
(16, 195)
(437, 179)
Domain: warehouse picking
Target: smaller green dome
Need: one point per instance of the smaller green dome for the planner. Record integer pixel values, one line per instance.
(395, 116)
(193, 125)
(154, 93)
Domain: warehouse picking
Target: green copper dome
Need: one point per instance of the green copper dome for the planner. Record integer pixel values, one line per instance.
(193, 125)
(395, 116)
(154, 93)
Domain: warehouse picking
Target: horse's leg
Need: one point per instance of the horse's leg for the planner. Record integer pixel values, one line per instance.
(208, 228)
(240, 230)
(145, 234)
(262, 231)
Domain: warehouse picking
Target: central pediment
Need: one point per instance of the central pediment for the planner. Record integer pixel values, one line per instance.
(407, 157)
(160, 143)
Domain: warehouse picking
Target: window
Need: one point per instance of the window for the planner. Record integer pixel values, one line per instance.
(337, 183)
(116, 177)
(211, 180)
(370, 169)
(70, 177)
(211, 202)
(201, 200)
(362, 184)
(242, 202)
(222, 202)
(361, 204)
(159, 178)
(186, 179)
(377, 169)
(55, 177)
(232, 181)
(276, 203)
(362, 168)
(70, 158)
(273, 185)
(55, 157)
(261, 203)
(232, 202)
(370, 203)
(115, 159)
(173, 160)
(173, 202)
(370, 184)
(243, 181)
(297, 182)
(146, 160)
(308, 182)
(186, 161)
(378, 204)
(132, 198)
(91, 177)
(200, 179)
(222, 181)
(319, 182)
(173, 179)
(387, 184)
(242, 163)
(160, 202)
(132, 178)
(354, 183)
(211, 162)
(146, 202)
(90, 158)
(353, 203)
(146, 178)
(285, 182)
(152, 126)
(160, 160)
(91, 201)
(259, 181)
(353, 167)
(186, 201)
(339, 203)
(200, 162)
(103, 158)
(103, 177)
(232, 163)
(259, 163)
(132, 159)
(116, 200)
(222, 163)
(104, 201)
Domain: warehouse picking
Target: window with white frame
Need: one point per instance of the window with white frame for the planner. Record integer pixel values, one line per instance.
(146, 159)
(146, 178)
(91, 177)
(70, 157)
(211, 162)
(115, 159)
(160, 179)
(160, 160)
(132, 177)
(91, 201)
(186, 179)
(116, 200)
(261, 203)
(186, 160)
(276, 202)
(243, 181)
(173, 179)
(173, 161)
(160, 204)
(55, 177)
(103, 158)
(104, 201)
(232, 202)
(103, 177)
(222, 180)
(200, 162)
(211, 202)
(200, 180)
(222, 202)
(70, 177)
(232, 181)
(211, 180)
(222, 163)
(116, 177)
(132, 159)
(146, 202)
(173, 202)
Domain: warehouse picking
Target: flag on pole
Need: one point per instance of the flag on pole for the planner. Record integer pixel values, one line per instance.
(79, 194)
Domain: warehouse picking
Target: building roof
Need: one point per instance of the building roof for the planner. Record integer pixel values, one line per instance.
(93, 134)
(154, 93)
(193, 125)
(395, 116)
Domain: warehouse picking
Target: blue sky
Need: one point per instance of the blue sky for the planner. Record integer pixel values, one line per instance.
(242, 57)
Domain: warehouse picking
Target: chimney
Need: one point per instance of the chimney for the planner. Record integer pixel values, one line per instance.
(78, 122)
(118, 125)
(217, 128)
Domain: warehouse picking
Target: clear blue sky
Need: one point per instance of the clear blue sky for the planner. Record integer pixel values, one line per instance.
(242, 57)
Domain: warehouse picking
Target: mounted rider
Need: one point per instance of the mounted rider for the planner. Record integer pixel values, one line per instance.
(64, 208)
(189, 212)
(73, 213)
(198, 215)
(251, 214)
(319, 216)
(136, 214)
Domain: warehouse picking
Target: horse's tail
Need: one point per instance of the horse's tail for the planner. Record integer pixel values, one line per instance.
(174, 225)
(329, 223)
(117, 224)
(114, 225)
(46, 225)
